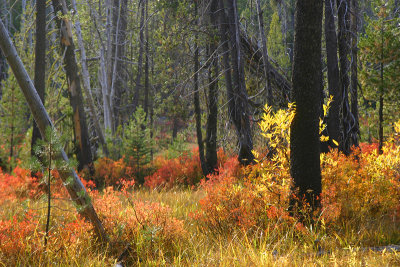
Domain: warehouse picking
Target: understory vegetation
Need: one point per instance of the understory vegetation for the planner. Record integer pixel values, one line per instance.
(238, 215)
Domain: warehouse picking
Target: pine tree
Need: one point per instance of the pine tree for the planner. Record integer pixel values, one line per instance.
(276, 48)
(137, 143)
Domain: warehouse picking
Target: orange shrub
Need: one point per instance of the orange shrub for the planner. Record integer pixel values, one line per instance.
(127, 220)
(184, 170)
(364, 184)
(109, 172)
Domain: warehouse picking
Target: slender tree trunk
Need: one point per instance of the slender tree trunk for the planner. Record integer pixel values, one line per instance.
(355, 131)
(86, 82)
(74, 186)
(146, 65)
(241, 118)
(333, 72)
(196, 100)
(344, 52)
(213, 73)
(81, 133)
(264, 53)
(304, 135)
(381, 89)
(140, 56)
(40, 62)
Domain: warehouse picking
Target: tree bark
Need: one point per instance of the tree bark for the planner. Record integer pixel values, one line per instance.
(140, 56)
(40, 62)
(75, 187)
(196, 101)
(264, 53)
(86, 82)
(81, 133)
(212, 118)
(240, 115)
(304, 135)
(333, 73)
(146, 65)
(344, 52)
(355, 130)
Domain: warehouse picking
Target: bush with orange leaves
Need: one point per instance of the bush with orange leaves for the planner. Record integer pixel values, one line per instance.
(365, 184)
(183, 171)
(19, 185)
(109, 172)
(144, 225)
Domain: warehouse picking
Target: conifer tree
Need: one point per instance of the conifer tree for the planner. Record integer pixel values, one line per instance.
(276, 48)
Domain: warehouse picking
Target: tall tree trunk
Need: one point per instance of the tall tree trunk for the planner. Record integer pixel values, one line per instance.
(212, 118)
(264, 53)
(74, 186)
(344, 52)
(40, 62)
(355, 130)
(140, 56)
(81, 133)
(146, 64)
(196, 100)
(118, 88)
(381, 89)
(333, 72)
(304, 135)
(241, 117)
(86, 82)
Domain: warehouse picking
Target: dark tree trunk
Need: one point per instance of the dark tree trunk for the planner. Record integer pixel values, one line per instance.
(120, 10)
(355, 130)
(146, 65)
(333, 72)
(212, 119)
(140, 56)
(196, 100)
(304, 136)
(40, 62)
(240, 115)
(344, 52)
(381, 89)
(81, 133)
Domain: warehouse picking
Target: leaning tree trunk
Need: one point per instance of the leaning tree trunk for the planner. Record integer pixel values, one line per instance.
(241, 117)
(81, 133)
(74, 186)
(344, 52)
(304, 135)
(40, 62)
(333, 72)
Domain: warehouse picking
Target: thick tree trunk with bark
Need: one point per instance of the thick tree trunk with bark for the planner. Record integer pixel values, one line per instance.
(344, 52)
(81, 133)
(74, 187)
(304, 135)
(355, 130)
(196, 101)
(212, 118)
(40, 62)
(240, 115)
(333, 72)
